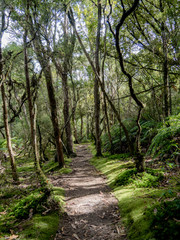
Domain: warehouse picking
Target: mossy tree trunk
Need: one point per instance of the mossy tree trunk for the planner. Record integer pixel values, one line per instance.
(44, 61)
(32, 114)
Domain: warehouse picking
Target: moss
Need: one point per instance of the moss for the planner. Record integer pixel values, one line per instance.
(41, 227)
(124, 178)
(33, 201)
(26, 167)
(135, 193)
(58, 196)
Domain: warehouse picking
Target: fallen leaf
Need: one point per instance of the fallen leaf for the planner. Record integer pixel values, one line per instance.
(13, 237)
(76, 236)
(117, 228)
(73, 226)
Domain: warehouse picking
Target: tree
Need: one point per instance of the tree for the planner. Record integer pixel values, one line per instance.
(96, 84)
(32, 109)
(44, 61)
(5, 111)
(139, 158)
(63, 70)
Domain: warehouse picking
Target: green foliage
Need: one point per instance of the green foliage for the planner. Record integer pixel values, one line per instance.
(148, 180)
(3, 145)
(33, 201)
(149, 130)
(166, 141)
(165, 217)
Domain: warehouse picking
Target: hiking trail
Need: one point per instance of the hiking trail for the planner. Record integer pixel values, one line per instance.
(91, 211)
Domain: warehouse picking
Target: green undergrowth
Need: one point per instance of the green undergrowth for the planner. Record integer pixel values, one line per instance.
(149, 209)
(26, 210)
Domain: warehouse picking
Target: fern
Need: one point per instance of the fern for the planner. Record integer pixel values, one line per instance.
(166, 140)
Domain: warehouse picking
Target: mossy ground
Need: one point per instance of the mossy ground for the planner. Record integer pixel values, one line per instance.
(24, 210)
(138, 195)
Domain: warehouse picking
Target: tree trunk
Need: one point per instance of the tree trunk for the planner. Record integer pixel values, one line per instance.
(165, 66)
(44, 62)
(81, 130)
(5, 111)
(54, 118)
(32, 115)
(96, 86)
(106, 123)
(66, 91)
(139, 158)
(8, 136)
(87, 125)
(67, 121)
(75, 100)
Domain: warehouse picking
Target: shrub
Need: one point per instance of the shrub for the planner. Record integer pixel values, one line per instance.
(166, 142)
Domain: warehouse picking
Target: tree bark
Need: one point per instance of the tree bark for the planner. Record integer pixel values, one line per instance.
(81, 129)
(64, 76)
(165, 66)
(96, 86)
(54, 118)
(63, 73)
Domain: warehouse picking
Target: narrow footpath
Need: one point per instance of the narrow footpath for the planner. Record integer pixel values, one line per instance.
(91, 211)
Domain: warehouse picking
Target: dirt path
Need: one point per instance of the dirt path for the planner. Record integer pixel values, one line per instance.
(91, 211)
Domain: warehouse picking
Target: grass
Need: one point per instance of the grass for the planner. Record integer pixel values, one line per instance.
(139, 195)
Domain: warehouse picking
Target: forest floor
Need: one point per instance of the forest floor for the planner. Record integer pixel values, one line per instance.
(91, 211)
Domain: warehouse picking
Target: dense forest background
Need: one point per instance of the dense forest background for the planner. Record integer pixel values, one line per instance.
(100, 71)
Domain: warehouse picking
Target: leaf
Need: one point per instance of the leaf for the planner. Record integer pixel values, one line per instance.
(13, 237)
